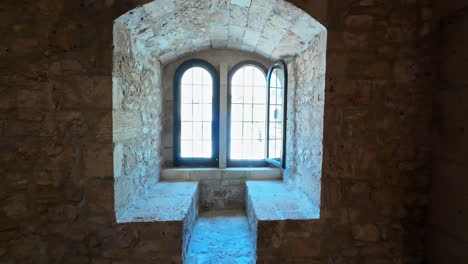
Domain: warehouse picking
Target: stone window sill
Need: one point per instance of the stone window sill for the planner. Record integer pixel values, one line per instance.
(164, 201)
(197, 174)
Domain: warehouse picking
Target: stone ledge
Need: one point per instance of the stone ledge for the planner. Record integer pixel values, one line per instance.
(164, 202)
(271, 200)
(196, 174)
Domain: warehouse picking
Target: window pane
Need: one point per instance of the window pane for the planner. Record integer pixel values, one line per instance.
(247, 131)
(196, 113)
(248, 94)
(197, 131)
(259, 95)
(259, 113)
(206, 149)
(248, 75)
(207, 130)
(259, 79)
(207, 94)
(197, 76)
(258, 131)
(197, 95)
(207, 112)
(186, 93)
(248, 114)
(186, 113)
(276, 110)
(186, 149)
(237, 94)
(186, 130)
(198, 148)
(236, 149)
(236, 130)
(236, 112)
(258, 149)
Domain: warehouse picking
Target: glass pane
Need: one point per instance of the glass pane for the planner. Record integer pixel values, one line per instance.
(196, 113)
(186, 149)
(276, 110)
(197, 131)
(186, 113)
(197, 95)
(248, 114)
(207, 94)
(198, 76)
(187, 77)
(258, 149)
(258, 131)
(259, 79)
(186, 93)
(238, 78)
(236, 112)
(236, 130)
(259, 113)
(248, 94)
(207, 130)
(272, 150)
(248, 75)
(186, 130)
(259, 95)
(237, 94)
(198, 149)
(247, 131)
(236, 149)
(247, 149)
(207, 112)
(206, 149)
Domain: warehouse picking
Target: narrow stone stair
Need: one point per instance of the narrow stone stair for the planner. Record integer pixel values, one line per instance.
(221, 237)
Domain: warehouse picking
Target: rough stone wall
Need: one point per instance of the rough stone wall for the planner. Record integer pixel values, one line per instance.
(137, 119)
(448, 210)
(377, 147)
(306, 100)
(57, 187)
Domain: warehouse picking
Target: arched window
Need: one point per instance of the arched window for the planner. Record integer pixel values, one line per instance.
(196, 114)
(277, 81)
(247, 115)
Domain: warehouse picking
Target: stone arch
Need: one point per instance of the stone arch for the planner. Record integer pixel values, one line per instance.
(152, 35)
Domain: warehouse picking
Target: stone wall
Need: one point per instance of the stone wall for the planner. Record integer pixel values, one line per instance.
(137, 119)
(306, 101)
(57, 189)
(448, 211)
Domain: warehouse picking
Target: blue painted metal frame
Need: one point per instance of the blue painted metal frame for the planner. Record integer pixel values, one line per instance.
(281, 65)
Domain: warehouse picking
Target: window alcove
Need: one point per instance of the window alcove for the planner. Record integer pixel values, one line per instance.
(150, 45)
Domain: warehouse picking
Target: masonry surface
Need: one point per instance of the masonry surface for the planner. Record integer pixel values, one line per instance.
(57, 148)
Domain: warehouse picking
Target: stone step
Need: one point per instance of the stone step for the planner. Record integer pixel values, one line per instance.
(221, 237)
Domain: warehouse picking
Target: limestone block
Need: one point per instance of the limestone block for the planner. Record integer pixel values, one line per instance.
(368, 233)
(306, 28)
(238, 15)
(126, 125)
